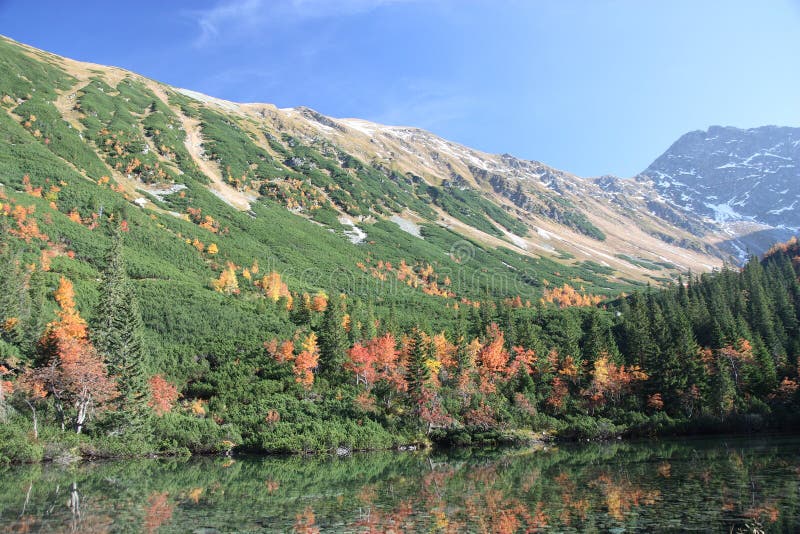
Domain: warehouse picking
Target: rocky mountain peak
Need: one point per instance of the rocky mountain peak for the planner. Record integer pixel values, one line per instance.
(729, 174)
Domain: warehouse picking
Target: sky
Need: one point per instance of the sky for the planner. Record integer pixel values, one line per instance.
(592, 87)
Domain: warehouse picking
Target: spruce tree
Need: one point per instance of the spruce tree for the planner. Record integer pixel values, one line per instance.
(723, 389)
(635, 341)
(35, 321)
(118, 333)
(369, 329)
(333, 343)
(417, 371)
(12, 294)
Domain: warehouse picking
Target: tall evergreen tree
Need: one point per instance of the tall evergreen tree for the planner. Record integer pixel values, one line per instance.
(118, 332)
(333, 342)
(12, 293)
(34, 321)
(723, 389)
(634, 331)
(597, 338)
(369, 328)
(417, 371)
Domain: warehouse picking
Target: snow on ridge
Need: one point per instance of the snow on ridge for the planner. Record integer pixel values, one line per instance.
(226, 104)
(724, 212)
(406, 225)
(516, 240)
(777, 156)
(355, 234)
(781, 210)
(360, 126)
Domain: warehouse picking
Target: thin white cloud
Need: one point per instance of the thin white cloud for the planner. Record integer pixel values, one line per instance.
(424, 104)
(243, 18)
(233, 15)
(325, 8)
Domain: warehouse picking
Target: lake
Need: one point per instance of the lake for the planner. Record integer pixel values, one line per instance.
(720, 484)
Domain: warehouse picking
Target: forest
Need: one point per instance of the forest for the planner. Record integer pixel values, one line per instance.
(141, 313)
(86, 375)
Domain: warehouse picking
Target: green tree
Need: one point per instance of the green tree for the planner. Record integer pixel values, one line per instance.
(333, 342)
(118, 332)
(417, 371)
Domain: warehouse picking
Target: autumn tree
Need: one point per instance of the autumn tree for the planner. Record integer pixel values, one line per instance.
(275, 288)
(74, 374)
(567, 296)
(444, 353)
(163, 394)
(493, 358)
(375, 364)
(386, 361)
(319, 302)
(361, 362)
(306, 361)
(281, 352)
(227, 282)
(610, 382)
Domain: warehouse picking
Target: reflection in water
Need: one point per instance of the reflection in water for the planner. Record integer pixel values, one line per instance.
(723, 485)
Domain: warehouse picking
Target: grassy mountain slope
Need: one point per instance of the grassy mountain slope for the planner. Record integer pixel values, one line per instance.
(243, 224)
(275, 194)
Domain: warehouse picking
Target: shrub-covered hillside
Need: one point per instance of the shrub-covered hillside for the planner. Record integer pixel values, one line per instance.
(174, 278)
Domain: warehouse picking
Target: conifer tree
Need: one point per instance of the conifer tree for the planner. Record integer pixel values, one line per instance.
(12, 294)
(634, 331)
(369, 329)
(333, 343)
(417, 371)
(118, 332)
(34, 321)
(723, 390)
(597, 338)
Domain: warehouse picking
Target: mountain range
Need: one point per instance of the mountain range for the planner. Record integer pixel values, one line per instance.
(180, 273)
(744, 181)
(711, 198)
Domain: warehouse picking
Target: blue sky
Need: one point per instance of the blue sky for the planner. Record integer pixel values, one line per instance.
(593, 87)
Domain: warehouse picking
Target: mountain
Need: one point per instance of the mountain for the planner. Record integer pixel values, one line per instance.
(744, 181)
(160, 146)
(278, 280)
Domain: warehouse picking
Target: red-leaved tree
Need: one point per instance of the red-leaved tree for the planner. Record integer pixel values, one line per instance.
(74, 374)
(163, 394)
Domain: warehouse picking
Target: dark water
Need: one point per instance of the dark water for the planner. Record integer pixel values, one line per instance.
(722, 485)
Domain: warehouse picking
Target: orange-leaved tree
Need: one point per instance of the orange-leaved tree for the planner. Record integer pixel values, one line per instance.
(306, 361)
(163, 394)
(227, 282)
(361, 361)
(493, 358)
(610, 382)
(74, 375)
(274, 287)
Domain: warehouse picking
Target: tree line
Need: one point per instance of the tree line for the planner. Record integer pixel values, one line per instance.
(716, 351)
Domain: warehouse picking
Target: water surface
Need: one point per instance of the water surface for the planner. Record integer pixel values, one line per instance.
(724, 485)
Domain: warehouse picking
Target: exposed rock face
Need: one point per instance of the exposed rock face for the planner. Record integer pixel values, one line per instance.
(729, 174)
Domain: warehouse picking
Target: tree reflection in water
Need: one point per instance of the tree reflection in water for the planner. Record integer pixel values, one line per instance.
(722, 485)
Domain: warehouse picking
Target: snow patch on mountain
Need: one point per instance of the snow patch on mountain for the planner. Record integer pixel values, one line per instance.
(355, 234)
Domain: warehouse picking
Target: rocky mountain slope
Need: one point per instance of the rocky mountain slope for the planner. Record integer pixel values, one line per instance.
(745, 182)
(157, 145)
